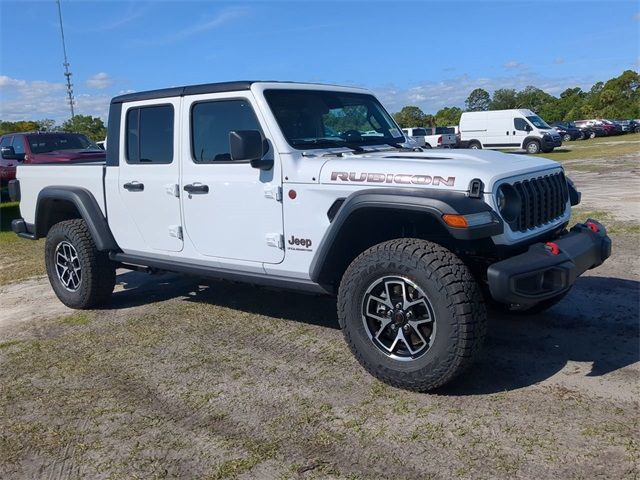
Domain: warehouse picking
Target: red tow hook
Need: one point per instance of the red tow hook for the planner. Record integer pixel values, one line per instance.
(592, 226)
(553, 248)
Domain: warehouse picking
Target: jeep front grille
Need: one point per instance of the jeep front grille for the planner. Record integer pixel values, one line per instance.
(543, 199)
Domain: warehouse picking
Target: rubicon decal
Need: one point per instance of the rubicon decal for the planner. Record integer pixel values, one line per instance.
(401, 178)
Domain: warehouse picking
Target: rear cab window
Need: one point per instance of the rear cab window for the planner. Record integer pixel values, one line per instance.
(149, 134)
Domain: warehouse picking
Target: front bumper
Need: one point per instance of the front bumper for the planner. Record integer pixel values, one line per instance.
(549, 269)
(549, 142)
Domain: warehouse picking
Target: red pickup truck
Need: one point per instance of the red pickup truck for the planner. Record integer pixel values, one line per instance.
(45, 147)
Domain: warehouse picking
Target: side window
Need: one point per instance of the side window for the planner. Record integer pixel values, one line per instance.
(150, 134)
(6, 141)
(211, 123)
(520, 124)
(18, 144)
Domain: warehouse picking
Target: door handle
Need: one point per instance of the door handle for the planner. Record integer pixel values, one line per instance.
(134, 186)
(196, 188)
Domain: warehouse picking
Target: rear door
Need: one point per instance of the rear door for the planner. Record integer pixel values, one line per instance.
(231, 210)
(148, 176)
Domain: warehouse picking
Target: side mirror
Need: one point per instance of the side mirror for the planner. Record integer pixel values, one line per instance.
(248, 145)
(8, 153)
(528, 128)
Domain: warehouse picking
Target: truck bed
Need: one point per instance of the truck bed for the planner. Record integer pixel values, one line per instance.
(33, 178)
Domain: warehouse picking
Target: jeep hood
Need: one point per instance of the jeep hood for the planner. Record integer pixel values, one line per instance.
(446, 169)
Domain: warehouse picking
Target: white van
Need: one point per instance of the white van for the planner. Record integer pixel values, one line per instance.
(499, 129)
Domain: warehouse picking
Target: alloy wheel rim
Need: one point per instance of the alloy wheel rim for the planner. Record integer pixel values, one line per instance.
(68, 266)
(398, 318)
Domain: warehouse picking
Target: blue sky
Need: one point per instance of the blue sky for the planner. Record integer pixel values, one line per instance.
(428, 53)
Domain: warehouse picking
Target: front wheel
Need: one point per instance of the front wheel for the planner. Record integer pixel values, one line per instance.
(566, 138)
(80, 275)
(532, 147)
(411, 313)
(592, 135)
(475, 146)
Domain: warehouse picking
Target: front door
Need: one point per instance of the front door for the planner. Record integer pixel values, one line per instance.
(148, 176)
(231, 210)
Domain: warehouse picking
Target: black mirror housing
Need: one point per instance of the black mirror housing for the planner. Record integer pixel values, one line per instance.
(9, 153)
(245, 145)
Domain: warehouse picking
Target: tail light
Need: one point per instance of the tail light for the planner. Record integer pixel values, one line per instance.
(440, 140)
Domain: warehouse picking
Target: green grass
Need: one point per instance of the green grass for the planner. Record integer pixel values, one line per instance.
(602, 147)
(19, 258)
(617, 227)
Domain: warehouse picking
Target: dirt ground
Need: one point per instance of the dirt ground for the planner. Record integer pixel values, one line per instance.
(180, 378)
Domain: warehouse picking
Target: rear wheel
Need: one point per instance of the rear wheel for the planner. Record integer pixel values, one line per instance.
(80, 275)
(426, 145)
(532, 147)
(592, 135)
(566, 137)
(411, 313)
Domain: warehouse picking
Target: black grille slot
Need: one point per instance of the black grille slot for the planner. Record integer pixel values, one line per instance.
(544, 199)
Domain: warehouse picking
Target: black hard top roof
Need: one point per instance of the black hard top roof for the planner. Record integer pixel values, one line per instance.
(195, 90)
(186, 90)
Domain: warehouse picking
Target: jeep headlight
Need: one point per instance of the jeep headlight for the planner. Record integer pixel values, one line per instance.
(508, 202)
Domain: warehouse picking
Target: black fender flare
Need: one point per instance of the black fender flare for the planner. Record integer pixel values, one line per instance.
(434, 202)
(87, 206)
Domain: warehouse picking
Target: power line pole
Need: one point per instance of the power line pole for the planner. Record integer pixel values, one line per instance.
(67, 73)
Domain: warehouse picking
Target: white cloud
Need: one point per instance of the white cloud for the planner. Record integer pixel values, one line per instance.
(513, 65)
(38, 99)
(223, 17)
(99, 81)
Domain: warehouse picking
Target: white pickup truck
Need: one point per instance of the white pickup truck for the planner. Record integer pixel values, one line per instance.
(432, 137)
(251, 181)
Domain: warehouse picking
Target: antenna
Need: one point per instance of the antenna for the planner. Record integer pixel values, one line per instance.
(67, 73)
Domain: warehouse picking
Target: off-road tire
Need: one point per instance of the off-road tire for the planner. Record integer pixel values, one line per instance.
(454, 295)
(98, 273)
(533, 147)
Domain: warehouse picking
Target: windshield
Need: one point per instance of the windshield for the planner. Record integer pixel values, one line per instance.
(55, 142)
(538, 122)
(322, 119)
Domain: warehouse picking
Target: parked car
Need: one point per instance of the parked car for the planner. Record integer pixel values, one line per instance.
(408, 241)
(11, 153)
(49, 147)
(432, 137)
(498, 129)
(629, 126)
(568, 132)
(608, 128)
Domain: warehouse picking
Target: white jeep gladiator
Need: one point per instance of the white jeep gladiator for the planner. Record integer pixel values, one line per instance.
(314, 188)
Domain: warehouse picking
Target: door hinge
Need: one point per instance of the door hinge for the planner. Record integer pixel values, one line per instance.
(173, 189)
(274, 192)
(275, 240)
(175, 231)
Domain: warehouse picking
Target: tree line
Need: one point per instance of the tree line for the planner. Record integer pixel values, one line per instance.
(618, 98)
(92, 127)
